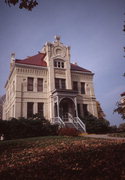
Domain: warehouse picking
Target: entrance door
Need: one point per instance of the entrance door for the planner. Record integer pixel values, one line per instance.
(66, 107)
(65, 110)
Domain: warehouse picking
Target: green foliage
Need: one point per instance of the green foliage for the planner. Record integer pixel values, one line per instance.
(95, 125)
(26, 4)
(68, 132)
(23, 128)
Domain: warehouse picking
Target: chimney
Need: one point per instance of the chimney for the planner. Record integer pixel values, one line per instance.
(12, 57)
(75, 63)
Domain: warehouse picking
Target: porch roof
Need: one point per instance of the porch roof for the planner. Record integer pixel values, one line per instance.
(65, 92)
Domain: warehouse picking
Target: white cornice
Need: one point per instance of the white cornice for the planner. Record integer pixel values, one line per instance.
(81, 72)
(29, 65)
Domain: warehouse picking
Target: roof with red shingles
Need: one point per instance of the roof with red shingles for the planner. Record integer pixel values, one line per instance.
(38, 60)
(78, 68)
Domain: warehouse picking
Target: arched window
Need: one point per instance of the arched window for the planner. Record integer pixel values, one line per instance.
(58, 63)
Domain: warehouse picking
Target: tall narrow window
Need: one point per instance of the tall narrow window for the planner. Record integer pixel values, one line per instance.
(78, 109)
(39, 84)
(63, 84)
(85, 110)
(40, 109)
(62, 64)
(60, 83)
(29, 109)
(75, 85)
(30, 84)
(55, 110)
(57, 83)
(82, 88)
(59, 64)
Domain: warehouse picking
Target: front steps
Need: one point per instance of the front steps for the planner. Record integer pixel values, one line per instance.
(72, 122)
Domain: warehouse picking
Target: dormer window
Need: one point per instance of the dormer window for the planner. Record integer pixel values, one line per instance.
(58, 63)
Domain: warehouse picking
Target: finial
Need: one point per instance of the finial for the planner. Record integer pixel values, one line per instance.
(57, 38)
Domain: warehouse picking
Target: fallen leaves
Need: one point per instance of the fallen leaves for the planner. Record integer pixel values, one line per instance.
(63, 158)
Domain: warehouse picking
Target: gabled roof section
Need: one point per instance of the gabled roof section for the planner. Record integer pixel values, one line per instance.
(75, 67)
(36, 60)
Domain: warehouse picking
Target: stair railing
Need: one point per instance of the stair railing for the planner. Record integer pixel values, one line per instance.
(81, 124)
(72, 120)
(59, 121)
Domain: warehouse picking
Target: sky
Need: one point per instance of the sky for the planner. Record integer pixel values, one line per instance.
(93, 30)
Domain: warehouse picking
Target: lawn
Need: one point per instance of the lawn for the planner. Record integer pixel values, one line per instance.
(121, 134)
(62, 158)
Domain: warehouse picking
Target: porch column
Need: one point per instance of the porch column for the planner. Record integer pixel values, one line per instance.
(57, 106)
(35, 84)
(35, 108)
(76, 107)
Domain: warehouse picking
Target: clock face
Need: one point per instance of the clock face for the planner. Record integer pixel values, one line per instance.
(59, 51)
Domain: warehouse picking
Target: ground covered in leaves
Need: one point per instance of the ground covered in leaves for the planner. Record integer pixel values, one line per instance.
(62, 158)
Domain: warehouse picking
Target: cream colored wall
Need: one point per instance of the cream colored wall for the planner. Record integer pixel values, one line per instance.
(21, 72)
(89, 96)
(21, 93)
(10, 97)
(20, 78)
(51, 54)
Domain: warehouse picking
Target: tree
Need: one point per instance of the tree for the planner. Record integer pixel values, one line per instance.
(121, 105)
(26, 4)
(121, 127)
(120, 109)
(124, 25)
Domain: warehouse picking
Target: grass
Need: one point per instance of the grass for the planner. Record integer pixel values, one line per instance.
(37, 142)
(122, 134)
(62, 158)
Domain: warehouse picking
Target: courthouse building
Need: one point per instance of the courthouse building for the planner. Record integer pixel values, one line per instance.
(49, 84)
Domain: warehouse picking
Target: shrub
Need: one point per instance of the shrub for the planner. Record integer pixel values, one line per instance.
(23, 128)
(113, 129)
(121, 127)
(95, 125)
(68, 132)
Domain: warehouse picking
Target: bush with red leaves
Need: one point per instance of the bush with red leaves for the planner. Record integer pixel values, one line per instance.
(68, 132)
